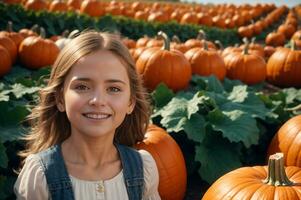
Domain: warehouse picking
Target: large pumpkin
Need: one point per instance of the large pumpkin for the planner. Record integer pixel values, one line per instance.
(170, 162)
(248, 68)
(36, 52)
(164, 65)
(284, 67)
(206, 62)
(288, 141)
(272, 182)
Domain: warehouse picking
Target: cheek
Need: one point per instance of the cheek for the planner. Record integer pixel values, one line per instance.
(73, 101)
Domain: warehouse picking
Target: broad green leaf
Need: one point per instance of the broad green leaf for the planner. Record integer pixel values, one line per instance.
(211, 83)
(292, 95)
(3, 156)
(238, 94)
(216, 160)
(20, 90)
(162, 95)
(229, 84)
(12, 133)
(12, 113)
(195, 128)
(17, 73)
(176, 113)
(247, 102)
(4, 95)
(235, 125)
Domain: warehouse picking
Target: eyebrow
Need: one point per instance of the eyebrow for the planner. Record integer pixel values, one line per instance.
(89, 80)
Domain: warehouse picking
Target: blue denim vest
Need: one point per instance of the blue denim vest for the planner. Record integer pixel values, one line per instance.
(59, 183)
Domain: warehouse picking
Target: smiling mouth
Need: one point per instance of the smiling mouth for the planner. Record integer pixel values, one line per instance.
(97, 116)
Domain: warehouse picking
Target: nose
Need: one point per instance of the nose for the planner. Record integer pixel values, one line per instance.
(97, 99)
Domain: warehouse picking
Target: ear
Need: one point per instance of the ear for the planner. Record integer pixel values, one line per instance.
(131, 106)
(60, 103)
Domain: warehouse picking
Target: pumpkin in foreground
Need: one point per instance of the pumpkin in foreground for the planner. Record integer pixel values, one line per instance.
(272, 182)
(170, 162)
(288, 141)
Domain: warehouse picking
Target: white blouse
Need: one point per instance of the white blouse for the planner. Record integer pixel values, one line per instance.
(31, 183)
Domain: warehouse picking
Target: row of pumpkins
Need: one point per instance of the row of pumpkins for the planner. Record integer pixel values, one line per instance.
(159, 60)
(246, 62)
(285, 31)
(223, 16)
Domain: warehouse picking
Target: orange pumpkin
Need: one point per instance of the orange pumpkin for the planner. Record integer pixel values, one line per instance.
(29, 32)
(288, 141)
(74, 4)
(199, 41)
(164, 65)
(275, 39)
(14, 36)
(36, 52)
(272, 182)
(58, 6)
(5, 61)
(283, 67)
(248, 68)
(36, 5)
(94, 8)
(206, 62)
(7, 43)
(170, 162)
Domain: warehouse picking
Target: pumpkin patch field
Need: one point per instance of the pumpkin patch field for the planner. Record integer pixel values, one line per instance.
(224, 83)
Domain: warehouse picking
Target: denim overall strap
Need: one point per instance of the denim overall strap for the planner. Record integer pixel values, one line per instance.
(58, 181)
(132, 171)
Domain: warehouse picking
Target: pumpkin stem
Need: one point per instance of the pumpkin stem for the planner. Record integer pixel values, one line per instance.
(42, 33)
(10, 26)
(253, 40)
(293, 45)
(276, 171)
(35, 28)
(163, 36)
(201, 35)
(176, 39)
(219, 44)
(247, 44)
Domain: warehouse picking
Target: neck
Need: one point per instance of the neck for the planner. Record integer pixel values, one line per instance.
(91, 151)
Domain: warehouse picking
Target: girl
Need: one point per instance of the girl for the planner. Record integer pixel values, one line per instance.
(92, 109)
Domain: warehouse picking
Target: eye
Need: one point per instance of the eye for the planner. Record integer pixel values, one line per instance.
(114, 89)
(81, 87)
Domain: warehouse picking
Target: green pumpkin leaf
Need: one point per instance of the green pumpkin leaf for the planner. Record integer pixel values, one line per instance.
(4, 95)
(162, 95)
(176, 113)
(235, 125)
(20, 90)
(3, 156)
(195, 128)
(248, 102)
(12, 133)
(216, 160)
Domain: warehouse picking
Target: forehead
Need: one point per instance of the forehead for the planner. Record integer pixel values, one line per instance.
(98, 66)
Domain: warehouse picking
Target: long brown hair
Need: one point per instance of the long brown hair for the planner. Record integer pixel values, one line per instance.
(49, 126)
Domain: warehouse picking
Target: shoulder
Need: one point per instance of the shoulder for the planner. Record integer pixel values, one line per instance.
(31, 182)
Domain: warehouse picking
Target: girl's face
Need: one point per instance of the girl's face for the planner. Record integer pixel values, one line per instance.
(97, 95)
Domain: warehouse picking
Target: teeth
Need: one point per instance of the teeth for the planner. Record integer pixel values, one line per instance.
(96, 116)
